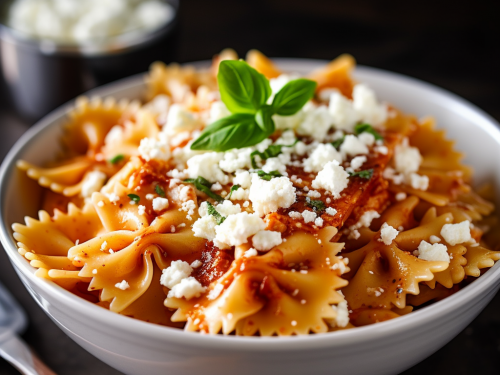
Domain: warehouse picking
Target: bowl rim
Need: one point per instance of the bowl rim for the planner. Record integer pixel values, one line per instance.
(101, 316)
(124, 42)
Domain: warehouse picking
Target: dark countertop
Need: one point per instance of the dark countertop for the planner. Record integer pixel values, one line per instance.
(450, 45)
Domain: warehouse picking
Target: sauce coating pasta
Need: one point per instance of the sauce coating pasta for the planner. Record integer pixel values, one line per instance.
(349, 213)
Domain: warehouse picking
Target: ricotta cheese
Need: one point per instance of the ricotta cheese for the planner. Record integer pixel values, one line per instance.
(352, 146)
(265, 240)
(434, 252)
(236, 229)
(321, 155)
(268, 196)
(342, 112)
(332, 178)
(455, 234)
(387, 234)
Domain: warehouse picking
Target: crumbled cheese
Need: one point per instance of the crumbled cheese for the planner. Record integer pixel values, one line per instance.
(237, 159)
(104, 245)
(319, 223)
(401, 196)
(123, 285)
(455, 234)
(321, 155)
(94, 272)
(150, 197)
(187, 288)
(419, 182)
(309, 216)
(141, 210)
(367, 106)
(207, 166)
(265, 240)
(180, 119)
(218, 110)
(195, 264)
(93, 182)
(407, 159)
(204, 227)
(216, 187)
(160, 204)
(382, 150)
(250, 253)
(295, 215)
(367, 138)
(269, 196)
(343, 114)
(316, 123)
(243, 178)
(227, 208)
(174, 274)
(153, 149)
(434, 252)
(314, 194)
(366, 219)
(100, 204)
(332, 178)
(352, 146)
(331, 211)
(277, 164)
(390, 174)
(434, 239)
(357, 162)
(236, 229)
(189, 206)
(342, 317)
(215, 292)
(240, 194)
(387, 234)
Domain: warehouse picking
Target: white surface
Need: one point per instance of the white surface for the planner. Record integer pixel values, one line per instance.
(136, 347)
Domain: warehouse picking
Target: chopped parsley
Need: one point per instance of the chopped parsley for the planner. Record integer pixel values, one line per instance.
(160, 191)
(134, 197)
(367, 174)
(316, 205)
(268, 175)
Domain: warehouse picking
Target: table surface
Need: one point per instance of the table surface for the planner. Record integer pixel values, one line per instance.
(452, 46)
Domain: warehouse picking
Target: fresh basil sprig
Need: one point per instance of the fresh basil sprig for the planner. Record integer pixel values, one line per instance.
(367, 128)
(159, 190)
(271, 152)
(367, 174)
(212, 211)
(204, 186)
(316, 205)
(268, 175)
(233, 189)
(245, 92)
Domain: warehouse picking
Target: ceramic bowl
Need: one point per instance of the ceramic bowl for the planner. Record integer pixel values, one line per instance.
(136, 347)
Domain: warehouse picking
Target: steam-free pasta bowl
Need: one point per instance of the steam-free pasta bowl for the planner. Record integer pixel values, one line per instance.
(136, 347)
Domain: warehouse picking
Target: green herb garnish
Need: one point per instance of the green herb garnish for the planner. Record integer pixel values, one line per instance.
(316, 205)
(118, 158)
(338, 142)
(268, 175)
(134, 197)
(245, 92)
(160, 191)
(212, 211)
(367, 128)
(362, 174)
(204, 186)
(271, 152)
(233, 189)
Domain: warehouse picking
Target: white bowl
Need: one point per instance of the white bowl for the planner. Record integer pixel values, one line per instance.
(136, 347)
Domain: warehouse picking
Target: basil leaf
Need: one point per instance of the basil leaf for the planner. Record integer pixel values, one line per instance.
(203, 185)
(235, 131)
(212, 211)
(233, 189)
(268, 175)
(316, 205)
(242, 88)
(293, 96)
(271, 152)
(118, 158)
(367, 174)
(134, 197)
(264, 119)
(337, 143)
(367, 128)
(160, 191)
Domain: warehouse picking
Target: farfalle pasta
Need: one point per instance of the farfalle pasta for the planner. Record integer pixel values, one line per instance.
(281, 206)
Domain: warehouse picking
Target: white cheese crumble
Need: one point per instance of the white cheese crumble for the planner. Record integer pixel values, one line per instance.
(331, 211)
(160, 204)
(434, 239)
(352, 146)
(401, 196)
(236, 229)
(179, 120)
(93, 182)
(141, 210)
(215, 292)
(218, 110)
(265, 240)
(321, 155)
(153, 149)
(342, 318)
(316, 123)
(207, 166)
(343, 114)
(123, 285)
(309, 216)
(357, 162)
(187, 288)
(268, 196)
(225, 208)
(216, 187)
(204, 227)
(367, 106)
(332, 178)
(387, 234)
(434, 252)
(419, 182)
(174, 274)
(407, 159)
(243, 178)
(250, 253)
(195, 264)
(455, 234)
(295, 215)
(367, 138)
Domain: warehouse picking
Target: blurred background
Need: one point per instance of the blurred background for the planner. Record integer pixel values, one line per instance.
(454, 45)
